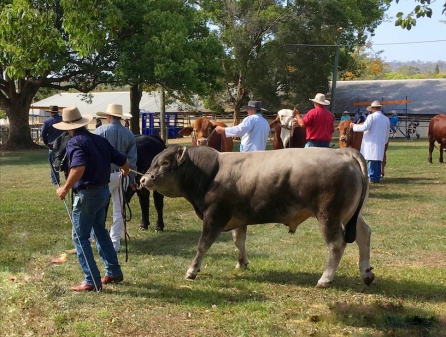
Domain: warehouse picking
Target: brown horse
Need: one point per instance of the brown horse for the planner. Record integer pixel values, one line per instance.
(350, 138)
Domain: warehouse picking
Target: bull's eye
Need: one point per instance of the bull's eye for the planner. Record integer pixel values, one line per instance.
(165, 163)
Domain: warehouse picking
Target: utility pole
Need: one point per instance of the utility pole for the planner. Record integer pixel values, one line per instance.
(335, 73)
(163, 133)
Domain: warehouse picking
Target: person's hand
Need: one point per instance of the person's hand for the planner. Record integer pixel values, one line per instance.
(220, 130)
(62, 192)
(296, 112)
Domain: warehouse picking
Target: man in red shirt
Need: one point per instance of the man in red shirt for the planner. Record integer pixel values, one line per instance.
(318, 123)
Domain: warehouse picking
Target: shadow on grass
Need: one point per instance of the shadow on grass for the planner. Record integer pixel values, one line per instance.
(390, 317)
(399, 290)
(22, 158)
(407, 180)
(205, 297)
(178, 243)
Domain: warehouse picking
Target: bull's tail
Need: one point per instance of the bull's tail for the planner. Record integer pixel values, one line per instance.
(350, 226)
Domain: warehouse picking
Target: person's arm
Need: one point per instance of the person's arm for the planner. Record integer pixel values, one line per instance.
(298, 117)
(125, 169)
(75, 174)
(44, 133)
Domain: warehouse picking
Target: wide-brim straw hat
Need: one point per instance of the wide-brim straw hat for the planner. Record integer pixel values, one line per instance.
(346, 112)
(320, 99)
(254, 105)
(375, 104)
(114, 110)
(72, 119)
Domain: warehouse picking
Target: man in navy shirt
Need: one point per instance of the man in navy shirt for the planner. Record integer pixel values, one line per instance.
(49, 135)
(90, 157)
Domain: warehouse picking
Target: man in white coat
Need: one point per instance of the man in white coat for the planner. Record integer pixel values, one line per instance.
(376, 130)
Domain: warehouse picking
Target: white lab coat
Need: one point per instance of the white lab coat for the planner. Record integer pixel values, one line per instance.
(376, 130)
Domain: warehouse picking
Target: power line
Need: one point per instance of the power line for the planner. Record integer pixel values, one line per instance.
(391, 43)
(374, 44)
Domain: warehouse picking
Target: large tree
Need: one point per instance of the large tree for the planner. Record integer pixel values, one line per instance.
(283, 52)
(171, 47)
(54, 44)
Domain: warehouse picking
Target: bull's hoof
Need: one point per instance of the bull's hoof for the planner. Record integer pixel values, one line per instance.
(323, 284)
(143, 228)
(242, 266)
(159, 229)
(368, 280)
(190, 277)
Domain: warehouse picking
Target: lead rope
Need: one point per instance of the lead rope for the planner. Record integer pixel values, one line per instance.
(122, 188)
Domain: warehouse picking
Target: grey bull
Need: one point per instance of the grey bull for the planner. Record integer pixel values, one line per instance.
(230, 191)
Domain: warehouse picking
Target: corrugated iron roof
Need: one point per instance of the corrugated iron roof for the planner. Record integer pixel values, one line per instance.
(150, 102)
(426, 96)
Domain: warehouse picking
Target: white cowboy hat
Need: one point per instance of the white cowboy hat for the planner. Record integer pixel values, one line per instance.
(320, 99)
(375, 104)
(72, 119)
(114, 110)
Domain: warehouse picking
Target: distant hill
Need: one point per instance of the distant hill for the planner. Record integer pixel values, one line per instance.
(424, 67)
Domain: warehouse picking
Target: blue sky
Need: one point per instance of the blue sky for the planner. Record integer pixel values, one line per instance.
(397, 43)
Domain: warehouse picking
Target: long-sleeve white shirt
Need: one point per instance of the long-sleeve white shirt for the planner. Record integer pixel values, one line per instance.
(376, 130)
(254, 131)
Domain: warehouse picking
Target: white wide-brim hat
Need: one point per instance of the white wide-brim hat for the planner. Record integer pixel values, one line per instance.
(320, 99)
(72, 119)
(114, 110)
(375, 104)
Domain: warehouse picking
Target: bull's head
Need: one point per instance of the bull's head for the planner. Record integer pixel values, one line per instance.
(161, 175)
(201, 131)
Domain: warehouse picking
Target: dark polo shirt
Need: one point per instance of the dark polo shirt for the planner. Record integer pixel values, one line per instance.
(96, 154)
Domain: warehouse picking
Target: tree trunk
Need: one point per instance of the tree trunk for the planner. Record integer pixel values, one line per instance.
(135, 99)
(239, 99)
(163, 131)
(19, 136)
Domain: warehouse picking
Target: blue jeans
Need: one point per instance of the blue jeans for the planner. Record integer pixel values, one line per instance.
(313, 143)
(55, 179)
(89, 218)
(374, 169)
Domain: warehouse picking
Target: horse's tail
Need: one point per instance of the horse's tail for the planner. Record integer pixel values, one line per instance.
(350, 226)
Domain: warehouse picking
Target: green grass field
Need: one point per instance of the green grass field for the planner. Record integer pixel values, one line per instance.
(275, 296)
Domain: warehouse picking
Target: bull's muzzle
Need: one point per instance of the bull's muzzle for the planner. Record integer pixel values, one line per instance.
(147, 181)
(202, 141)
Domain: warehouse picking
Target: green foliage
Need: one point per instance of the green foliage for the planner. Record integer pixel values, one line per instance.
(407, 21)
(2, 114)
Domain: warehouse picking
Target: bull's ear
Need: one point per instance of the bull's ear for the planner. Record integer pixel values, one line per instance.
(181, 155)
(186, 131)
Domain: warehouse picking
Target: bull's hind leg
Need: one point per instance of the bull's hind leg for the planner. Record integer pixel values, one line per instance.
(363, 241)
(239, 238)
(333, 235)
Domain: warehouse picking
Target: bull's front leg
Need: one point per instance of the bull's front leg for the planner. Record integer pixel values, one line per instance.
(158, 200)
(211, 230)
(144, 203)
(363, 234)
(239, 238)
